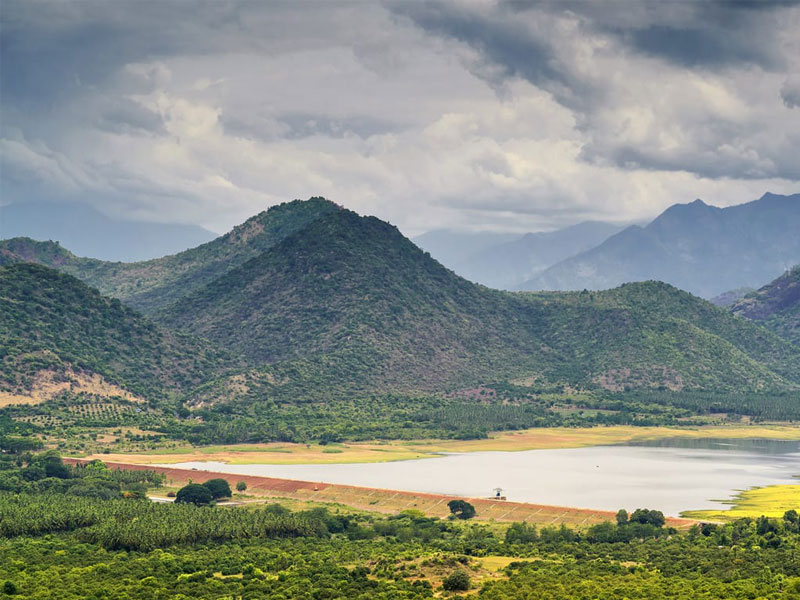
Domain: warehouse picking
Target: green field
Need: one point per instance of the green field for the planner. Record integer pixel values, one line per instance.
(772, 501)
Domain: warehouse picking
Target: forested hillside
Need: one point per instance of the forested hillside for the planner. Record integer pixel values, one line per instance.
(344, 315)
(57, 334)
(354, 301)
(776, 306)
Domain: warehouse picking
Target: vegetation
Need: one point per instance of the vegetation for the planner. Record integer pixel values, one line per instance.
(151, 284)
(194, 493)
(776, 306)
(54, 328)
(328, 326)
(219, 488)
(461, 509)
(56, 545)
(772, 501)
(349, 302)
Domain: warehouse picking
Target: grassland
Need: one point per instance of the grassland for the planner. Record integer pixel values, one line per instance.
(367, 452)
(771, 501)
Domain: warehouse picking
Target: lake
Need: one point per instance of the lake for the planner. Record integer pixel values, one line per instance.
(669, 475)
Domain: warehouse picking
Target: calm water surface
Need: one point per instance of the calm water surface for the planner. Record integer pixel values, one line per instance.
(668, 475)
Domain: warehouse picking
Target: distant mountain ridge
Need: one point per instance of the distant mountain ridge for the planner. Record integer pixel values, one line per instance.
(88, 232)
(506, 266)
(776, 306)
(504, 261)
(699, 248)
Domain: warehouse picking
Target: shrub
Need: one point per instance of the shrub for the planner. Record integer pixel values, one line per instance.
(458, 581)
(241, 486)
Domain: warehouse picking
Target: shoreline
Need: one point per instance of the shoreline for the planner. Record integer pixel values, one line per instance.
(389, 501)
(278, 453)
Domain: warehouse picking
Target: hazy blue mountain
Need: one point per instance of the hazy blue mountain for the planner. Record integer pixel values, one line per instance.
(700, 248)
(88, 232)
(507, 265)
(453, 248)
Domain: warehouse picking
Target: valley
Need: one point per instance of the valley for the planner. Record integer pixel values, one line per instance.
(325, 362)
(399, 300)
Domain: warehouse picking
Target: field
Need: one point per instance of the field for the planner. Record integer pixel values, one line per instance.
(772, 501)
(384, 451)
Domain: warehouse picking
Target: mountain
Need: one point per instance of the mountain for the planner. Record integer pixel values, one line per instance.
(696, 247)
(508, 265)
(731, 297)
(776, 306)
(151, 284)
(349, 301)
(88, 232)
(57, 334)
(311, 298)
(454, 248)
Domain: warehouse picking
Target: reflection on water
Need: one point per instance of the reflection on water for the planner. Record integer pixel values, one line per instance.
(670, 476)
(756, 446)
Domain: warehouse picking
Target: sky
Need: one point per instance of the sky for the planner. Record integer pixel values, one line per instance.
(471, 115)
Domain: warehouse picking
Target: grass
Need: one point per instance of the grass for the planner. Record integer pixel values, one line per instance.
(771, 501)
(368, 452)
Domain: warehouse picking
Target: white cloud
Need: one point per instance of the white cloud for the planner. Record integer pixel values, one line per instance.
(247, 106)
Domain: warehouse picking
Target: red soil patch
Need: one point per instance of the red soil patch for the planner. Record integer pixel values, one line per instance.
(388, 501)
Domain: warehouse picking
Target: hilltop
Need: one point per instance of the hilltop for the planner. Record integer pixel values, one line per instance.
(151, 284)
(776, 306)
(699, 248)
(356, 303)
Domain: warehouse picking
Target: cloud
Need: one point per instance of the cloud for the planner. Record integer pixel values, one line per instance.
(654, 86)
(790, 91)
(493, 115)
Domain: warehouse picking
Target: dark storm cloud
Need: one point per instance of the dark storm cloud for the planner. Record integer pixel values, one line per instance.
(508, 47)
(541, 43)
(790, 92)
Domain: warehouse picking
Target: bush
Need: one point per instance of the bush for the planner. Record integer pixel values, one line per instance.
(456, 582)
(241, 486)
(194, 493)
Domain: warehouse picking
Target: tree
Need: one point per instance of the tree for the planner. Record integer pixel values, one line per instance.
(241, 486)
(648, 517)
(458, 581)
(521, 533)
(622, 516)
(194, 493)
(55, 467)
(219, 488)
(461, 509)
